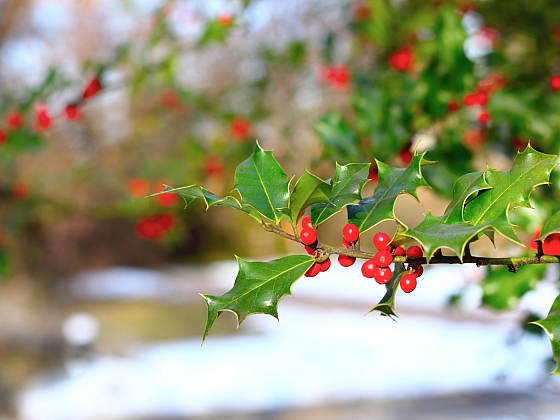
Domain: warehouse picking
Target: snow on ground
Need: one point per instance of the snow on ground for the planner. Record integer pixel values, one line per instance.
(323, 350)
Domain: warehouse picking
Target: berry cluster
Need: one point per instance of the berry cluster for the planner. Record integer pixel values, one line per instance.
(308, 237)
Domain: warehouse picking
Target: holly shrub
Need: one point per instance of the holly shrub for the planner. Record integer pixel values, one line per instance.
(401, 96)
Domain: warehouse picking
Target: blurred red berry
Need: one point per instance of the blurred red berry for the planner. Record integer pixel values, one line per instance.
(73, 112)
(212, 165)
(43, 119)
(453, 106)
(20, 190)
(473, 138)
(402, 59)
(92, 88)
(240, 128)
(14, 120)
(484, 117)
(360, 12)
(154, 227)
(225, 19)
(406, 155)
(373, 174)
(168, 99)
(138, 187)
(2, 137)
(168, 199)
(554, 82)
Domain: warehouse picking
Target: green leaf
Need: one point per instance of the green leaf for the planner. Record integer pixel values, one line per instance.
(337, 138)
(552, 225)
(502, 289)
(214, 32)
(387, 303)
(551, 324)
(347, 185)
(309, 190)
(392, 183)
(434, 233)
(258, 288)
(510, 190)
(22, 139)
(192, 192)
(463, 189)
(263, 184)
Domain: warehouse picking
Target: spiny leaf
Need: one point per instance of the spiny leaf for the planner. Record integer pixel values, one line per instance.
(387, 303)
(192, 192)
(552, 225)
(262, 184)
(510, 190)
(392, 183)
(551, 325)
(434, 233)
(502, 289)
(463, 189)
(347, 185)
(309, 190)
(258, 288)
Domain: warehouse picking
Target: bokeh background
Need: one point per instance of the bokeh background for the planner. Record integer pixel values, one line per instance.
(104, 102)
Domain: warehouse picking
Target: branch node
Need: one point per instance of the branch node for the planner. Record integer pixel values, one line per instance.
(511, 268)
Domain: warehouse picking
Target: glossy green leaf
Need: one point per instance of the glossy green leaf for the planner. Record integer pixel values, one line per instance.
(510, 189)
(387, 303)
(193, 192)
(309, 190)
(263, 184)
(551, 325)
(434, 233)
(392, 183)
(337, 138)
(258, 288)
(463, 189)
(502, 289)
(552, 225)
(347, 185)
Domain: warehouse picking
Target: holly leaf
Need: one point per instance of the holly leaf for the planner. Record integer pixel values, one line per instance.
(387, 303)
(263, 184)
(502, 289)
(347, 185)
(510, 189)
(552, 225)
(258, 288)
(551, 325)
(434, 233)
(463, 189)
(392, 183)
(192, 192)
(309, 190)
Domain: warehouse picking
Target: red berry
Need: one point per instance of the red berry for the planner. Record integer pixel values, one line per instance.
(14, 120)
(551, 244)
(453, 106)
(383, 275)
(408, 282)
(91, 89)
(43, 119)
(345, 260)
(399, 252)
(383, 258)
(406, 155)
(306, 222)
(308, 236)
(414, 252)
(346, 244)
(72, 112)
(225, 19)
(138, 187)
(311, 250)
(483, 117)
(402, 59)
(239, 128)
(350, 232)
(212, 165)
(168, 199)
(554, 82)
(369, 268)
(381, 241)
(313, 270)
(419, 271)
(2, 137)
(325, 265)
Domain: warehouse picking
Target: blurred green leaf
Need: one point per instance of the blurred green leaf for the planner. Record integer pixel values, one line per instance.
(551, 324)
